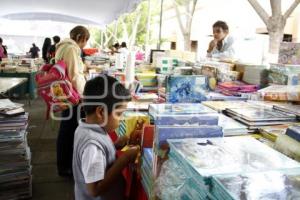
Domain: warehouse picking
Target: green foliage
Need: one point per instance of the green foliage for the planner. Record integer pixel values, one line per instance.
(129, 20)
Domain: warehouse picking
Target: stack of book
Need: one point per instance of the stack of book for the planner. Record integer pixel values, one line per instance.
(10, 109)
(256, 75)
(281, 93)
(205, 158)
(262, 185)
(231, 127)
(15, 158)
(256, 117)
(221, 106)
(289, 108)
(235, 88)
(146, 171)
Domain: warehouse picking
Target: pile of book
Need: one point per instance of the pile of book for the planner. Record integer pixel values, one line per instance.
(263, 185)
(256, 117)
(15, 157)
(10, 109)
(202, 159)
(146, 171)
(236, 88)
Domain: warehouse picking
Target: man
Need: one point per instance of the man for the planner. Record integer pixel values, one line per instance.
(222, 44)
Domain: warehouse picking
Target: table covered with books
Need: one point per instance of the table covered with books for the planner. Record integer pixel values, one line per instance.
(215, 129)
(7, 84)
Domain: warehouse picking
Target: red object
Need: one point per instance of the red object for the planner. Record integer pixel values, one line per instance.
(90, 51)
(134, 189)
(147, 136)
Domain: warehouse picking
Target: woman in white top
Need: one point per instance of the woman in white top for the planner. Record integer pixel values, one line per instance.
(222, 44)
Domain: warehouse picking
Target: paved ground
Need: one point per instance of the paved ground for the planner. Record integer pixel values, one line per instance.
(42, 141)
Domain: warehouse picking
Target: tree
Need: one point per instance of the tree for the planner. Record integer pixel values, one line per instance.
(275, 23)
(190, 7)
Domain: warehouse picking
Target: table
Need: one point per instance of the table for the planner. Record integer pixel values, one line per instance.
(27, 88)
(7, 84)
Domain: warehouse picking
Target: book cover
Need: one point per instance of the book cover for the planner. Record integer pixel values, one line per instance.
(187, 120)
(167, 109)
(260, 114)
(289, 53)
(294, 132)
(132, 121)
(186, 89)
(245, 185)
(163, 133)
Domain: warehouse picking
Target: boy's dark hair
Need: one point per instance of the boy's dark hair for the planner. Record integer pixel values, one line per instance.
(56, 39)
(95, 89)
(222, 25)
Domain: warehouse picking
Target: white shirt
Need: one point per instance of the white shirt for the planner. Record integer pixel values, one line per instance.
(93, 164)
(227, 50)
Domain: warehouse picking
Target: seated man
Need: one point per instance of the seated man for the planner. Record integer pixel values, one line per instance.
(222, 44)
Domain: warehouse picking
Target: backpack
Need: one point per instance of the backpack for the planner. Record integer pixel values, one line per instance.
(54, 86)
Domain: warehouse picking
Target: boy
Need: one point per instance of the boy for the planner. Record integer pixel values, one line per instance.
(97, 172)
(222, 46)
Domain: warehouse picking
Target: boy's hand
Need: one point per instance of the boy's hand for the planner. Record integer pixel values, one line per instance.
(132, 153)
(121, 142)
(212, 45)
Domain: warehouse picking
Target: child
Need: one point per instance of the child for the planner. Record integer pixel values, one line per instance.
(222, 46)
(97, 172)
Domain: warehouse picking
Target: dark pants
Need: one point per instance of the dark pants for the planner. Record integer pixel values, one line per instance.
(65, 141)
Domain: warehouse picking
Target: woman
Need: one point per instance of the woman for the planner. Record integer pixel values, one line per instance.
(3, 52)
(45, 49)
(69, 50)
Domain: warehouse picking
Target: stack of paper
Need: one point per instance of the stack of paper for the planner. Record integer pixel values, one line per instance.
(15, 157)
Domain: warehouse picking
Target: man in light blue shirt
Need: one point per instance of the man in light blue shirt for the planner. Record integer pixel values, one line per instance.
(222, 46)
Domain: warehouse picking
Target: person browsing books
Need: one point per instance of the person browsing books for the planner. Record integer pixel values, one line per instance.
(69, 50)
(222, 46)
(96, 170)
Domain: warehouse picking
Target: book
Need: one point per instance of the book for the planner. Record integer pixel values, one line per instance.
(186, 89)
(289, 108)
(223, 105)
(281, 93)
(288, 146)
(167, 109)
(294, 132)
(254, 114)
(162, 133)
(272, 185)
(289, 53)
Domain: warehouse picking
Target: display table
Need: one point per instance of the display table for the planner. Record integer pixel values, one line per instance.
(7, 84)
(27, 88)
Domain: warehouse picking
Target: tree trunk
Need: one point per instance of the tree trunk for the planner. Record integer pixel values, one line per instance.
(275, 38)
(275, 28)
(187, 41)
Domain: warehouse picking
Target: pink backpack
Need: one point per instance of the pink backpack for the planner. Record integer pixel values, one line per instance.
(54, 86)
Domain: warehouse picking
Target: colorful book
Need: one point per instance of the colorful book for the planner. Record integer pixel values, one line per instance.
(289, 53)
(186, 89)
